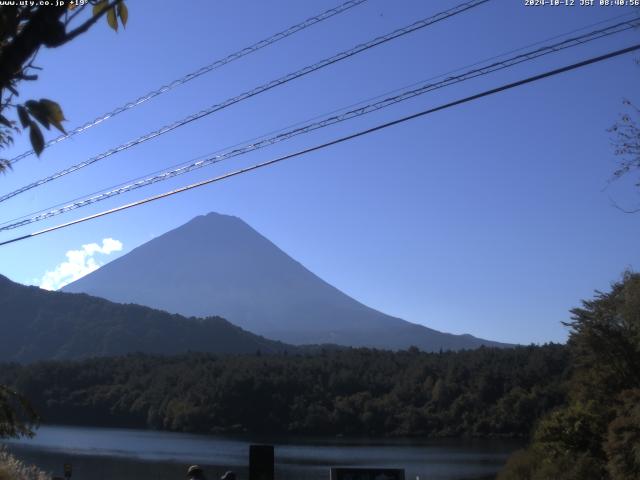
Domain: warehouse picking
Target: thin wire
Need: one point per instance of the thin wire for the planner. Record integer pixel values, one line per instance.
(201, 161)
(197, 73)
(370, 99)
(352, 136)
(263, 88)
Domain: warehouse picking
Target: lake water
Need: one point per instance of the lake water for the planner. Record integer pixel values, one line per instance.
(102, 453)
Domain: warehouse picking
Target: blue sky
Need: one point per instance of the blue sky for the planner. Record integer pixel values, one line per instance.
(493, 218)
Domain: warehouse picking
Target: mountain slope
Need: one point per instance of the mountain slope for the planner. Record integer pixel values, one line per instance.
(36, 325)
(218, 265)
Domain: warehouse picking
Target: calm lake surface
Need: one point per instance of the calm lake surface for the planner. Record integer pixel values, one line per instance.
(102, 453)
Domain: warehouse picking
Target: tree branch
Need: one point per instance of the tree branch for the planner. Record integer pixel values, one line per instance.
(75, 14)
(624, 210)
(89, 23)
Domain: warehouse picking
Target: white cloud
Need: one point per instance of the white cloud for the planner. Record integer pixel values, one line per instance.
(79, 263)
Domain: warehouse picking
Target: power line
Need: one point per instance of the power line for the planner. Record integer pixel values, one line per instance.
(352, 136)
(200, 162)
(263, 88)
(370, 99)
(324, 122)
(201, 71)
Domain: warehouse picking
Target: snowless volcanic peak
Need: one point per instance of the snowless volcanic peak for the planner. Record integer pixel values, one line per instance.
(218, 265)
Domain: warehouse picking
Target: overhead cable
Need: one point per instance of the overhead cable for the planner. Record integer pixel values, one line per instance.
(251, 93)
(352, 136)
(198, 73)
(322, 123)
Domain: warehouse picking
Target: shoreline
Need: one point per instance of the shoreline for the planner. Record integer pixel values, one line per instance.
(129, 453)
(300, 437)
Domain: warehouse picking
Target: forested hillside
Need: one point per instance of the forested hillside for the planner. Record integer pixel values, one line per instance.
(596, 435)
(484, 392)
(38, 325)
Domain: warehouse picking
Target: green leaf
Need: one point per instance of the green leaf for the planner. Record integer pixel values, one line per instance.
(123, 13)
(111, 19)
(38, 112)
(54, 113)
(37, 140)
(99, 7)
(23, 115)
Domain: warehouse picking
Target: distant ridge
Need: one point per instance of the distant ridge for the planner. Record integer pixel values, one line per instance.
(218, 265)
(37, 325)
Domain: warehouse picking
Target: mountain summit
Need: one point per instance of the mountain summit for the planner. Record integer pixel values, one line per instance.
(218, 265)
